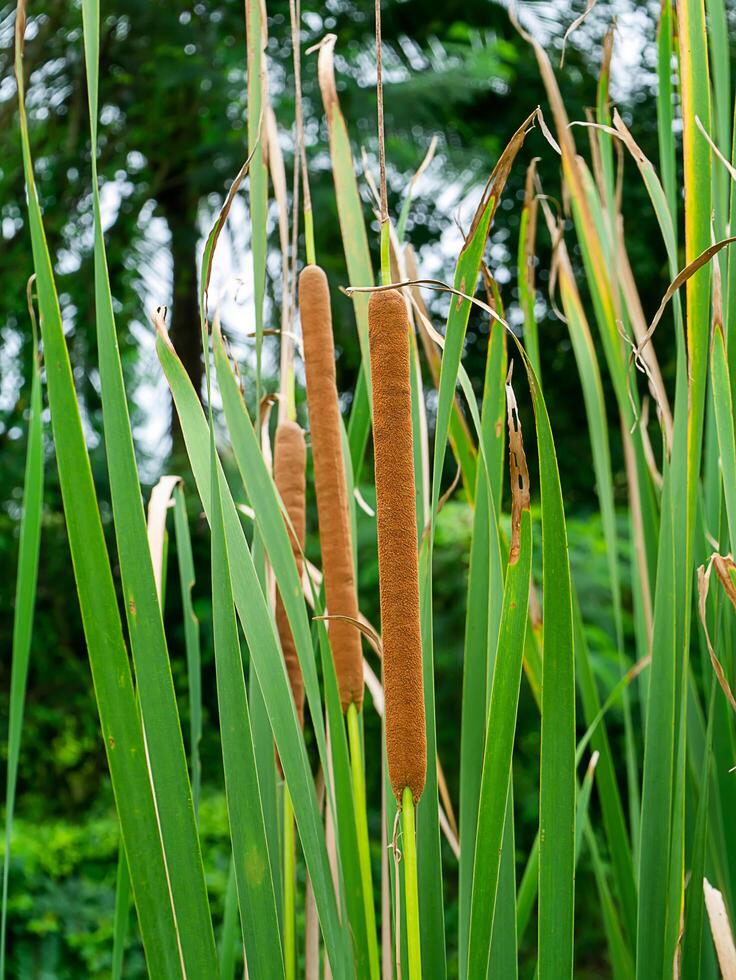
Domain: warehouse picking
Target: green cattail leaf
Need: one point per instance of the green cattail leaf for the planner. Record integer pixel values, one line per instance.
(499, 743)
(720, 64)
(119, 716)
(256, 898)
(25, 601)
(263, 745)
(612, 809)
(661, 872)
(557, 776)
(484, 603)
(622, 962)
(694, 904)
(347, 839)
(665, 129)
(658, 760)
(145, 625)
(589, 373)
(723, 407)
(121, 919)
(466, 276)
(229, 939)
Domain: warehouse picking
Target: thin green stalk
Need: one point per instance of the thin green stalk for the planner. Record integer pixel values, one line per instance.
(361, 826)
(411, 889)
(229, 936)
(122, 915)
(289, 897)
(385, 253)
(309, 236)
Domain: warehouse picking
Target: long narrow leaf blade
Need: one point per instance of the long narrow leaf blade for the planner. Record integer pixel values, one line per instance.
(119, 717)
(25, 601)
(161, 723)
(256, 897)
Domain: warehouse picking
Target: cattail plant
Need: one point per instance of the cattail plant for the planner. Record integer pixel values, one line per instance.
(406, 744)
(289, 465)
(289, 471)
(398, 574)
(330, 483)
(656, 844)
(337, 551)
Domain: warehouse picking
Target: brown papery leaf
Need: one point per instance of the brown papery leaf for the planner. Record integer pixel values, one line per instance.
(520, 500)
(158, 505)
(680, 279)
(720, 928)
(726, 572)
(531, 206)
(573, 27)
(497, 181)
(361, 625)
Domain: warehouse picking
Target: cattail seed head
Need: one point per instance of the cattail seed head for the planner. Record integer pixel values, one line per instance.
(289, 467)
(330, 483)
(406, 742)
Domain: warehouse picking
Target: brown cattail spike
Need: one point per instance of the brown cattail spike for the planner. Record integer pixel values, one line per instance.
(406, 742)
(290, 462)
(330, 483)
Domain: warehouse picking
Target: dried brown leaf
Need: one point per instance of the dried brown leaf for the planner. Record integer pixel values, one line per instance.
(726, 572)
(520, 500)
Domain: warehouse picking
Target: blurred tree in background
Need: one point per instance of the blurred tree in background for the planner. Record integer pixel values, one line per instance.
(172, 135)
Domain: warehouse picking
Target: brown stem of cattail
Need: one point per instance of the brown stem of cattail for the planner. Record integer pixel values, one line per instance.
(330, 483)
(520, 500)
(290, 460)
(406, 741)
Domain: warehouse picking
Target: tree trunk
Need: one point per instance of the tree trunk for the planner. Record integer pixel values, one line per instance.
(183, 319)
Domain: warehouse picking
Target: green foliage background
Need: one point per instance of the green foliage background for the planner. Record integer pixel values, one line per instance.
(172, 135)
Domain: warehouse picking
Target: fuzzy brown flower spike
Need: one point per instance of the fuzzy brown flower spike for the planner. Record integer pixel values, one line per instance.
(330, 483)
(289, 467)
(406, 742)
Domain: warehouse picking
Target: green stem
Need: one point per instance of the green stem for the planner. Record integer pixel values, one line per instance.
(230, 924)
(361, 826)
(122, 914)
(385, 254)
(309, 236)
(291, 395)
(289, 888)
(411, 888)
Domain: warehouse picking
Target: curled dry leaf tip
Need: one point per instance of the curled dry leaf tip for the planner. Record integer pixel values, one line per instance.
(520, 500)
